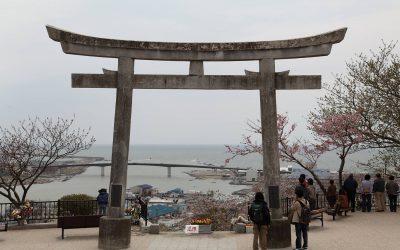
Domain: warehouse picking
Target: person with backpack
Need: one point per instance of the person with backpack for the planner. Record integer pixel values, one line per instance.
(301, 217)
(102, 201)
(259, 214)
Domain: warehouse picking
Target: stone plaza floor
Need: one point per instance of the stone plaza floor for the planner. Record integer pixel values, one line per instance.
(358, 230)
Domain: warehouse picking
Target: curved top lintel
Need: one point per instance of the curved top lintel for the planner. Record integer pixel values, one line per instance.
(63, 36)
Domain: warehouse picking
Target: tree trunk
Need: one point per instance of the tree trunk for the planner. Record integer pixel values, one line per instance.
(342, 161)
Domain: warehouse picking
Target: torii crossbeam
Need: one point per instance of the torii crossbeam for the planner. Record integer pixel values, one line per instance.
(114, 229)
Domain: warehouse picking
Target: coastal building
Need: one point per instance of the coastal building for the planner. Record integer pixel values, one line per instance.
(252, 175)
(142, 190)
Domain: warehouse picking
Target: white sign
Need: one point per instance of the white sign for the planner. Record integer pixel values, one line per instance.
(191, 229)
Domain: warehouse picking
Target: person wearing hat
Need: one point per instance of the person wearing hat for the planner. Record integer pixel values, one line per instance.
(102, 201)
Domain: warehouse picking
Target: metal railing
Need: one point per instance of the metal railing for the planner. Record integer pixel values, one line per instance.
(46, 211)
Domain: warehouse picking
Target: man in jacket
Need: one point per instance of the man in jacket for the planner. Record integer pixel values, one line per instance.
(102, 200)
(392, 188)
(301, 228)
(350, 186)
(379, 190)
(259, 214)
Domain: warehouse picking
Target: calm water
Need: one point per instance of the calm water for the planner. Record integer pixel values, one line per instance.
(90, 181)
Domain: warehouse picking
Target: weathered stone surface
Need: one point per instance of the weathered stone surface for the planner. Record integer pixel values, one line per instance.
(196, 68)
(154, 229)
(144, 229)
(279, 234)
(269, 132)
(239, 228)
(173, 55)
(114, 233)
(74, 43)
(250, 82)
(60, 35)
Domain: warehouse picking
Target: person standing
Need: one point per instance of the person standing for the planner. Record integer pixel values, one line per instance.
(259, 214)
(350, 186)
(312, 195)
(143, 209)
(303, 185)
(296, 214)
(379, 190)
(392, 188)
(366, 193)
(331, 194)
(102, 201)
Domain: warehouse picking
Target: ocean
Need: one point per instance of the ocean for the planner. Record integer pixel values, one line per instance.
(91, 181)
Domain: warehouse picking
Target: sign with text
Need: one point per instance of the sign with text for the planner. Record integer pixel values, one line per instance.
(191, 229)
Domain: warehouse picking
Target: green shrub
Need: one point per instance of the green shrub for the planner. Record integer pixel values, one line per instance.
(77, 204)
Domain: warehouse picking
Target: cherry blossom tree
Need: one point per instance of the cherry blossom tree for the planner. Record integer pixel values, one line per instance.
(371, 87)
(331, 132)
(338, 132)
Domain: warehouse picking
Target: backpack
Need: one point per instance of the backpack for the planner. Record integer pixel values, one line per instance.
(260, 213)
(305, 216)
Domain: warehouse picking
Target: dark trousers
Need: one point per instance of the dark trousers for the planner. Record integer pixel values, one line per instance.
(144, 218)
(393, 202)
(331, 200)
(301, 229)
(351, 196)
(366, 202)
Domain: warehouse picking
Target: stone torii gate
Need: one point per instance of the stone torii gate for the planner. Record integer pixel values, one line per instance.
(114, 230)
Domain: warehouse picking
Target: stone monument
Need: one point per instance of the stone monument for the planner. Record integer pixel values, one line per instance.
(114, 230)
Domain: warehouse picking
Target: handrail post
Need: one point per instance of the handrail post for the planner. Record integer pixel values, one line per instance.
(287, 206)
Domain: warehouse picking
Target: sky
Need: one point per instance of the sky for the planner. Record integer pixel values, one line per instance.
(35, 75)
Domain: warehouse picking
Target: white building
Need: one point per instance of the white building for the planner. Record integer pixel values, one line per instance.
(251, 175)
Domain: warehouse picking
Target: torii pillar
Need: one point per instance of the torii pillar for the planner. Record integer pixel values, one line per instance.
(114, 230)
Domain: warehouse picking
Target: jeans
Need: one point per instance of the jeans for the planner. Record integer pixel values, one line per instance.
(366, 202)
(393, 202)
(102, 209)
(331, 200)
(301, 229)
